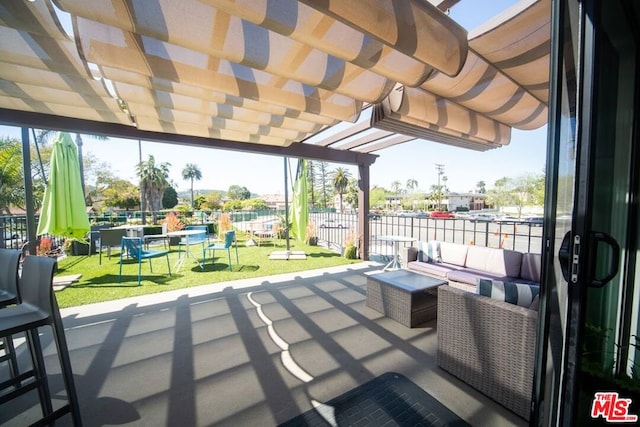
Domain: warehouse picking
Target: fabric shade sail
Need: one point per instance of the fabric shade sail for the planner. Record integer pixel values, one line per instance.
(503, 84)
(278, 72)
(64, 212)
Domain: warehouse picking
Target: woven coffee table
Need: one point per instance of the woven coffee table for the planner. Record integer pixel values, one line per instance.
(406, 297)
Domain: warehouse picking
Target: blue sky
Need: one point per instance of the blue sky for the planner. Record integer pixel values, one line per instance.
(414, 160)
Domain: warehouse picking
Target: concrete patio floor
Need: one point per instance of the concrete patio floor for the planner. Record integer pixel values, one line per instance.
(250, 352)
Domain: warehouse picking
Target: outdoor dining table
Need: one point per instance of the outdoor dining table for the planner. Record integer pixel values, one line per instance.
(395, 263)
(187, 253)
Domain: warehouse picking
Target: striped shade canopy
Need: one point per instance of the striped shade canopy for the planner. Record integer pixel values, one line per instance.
(279, 73)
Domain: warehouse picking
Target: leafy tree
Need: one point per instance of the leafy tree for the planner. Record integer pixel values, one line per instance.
(352, 192)
(377, 197)
(519, 192)
(323, 176)
(121, 194)
(153, 181)
(11, 177)
(340, 179)
(396, 187)
(255, 204)
(213, 201)
(232, 205)
(500, 194)
(236, 192)
(191, 172)
(200, 202)
(169, 198)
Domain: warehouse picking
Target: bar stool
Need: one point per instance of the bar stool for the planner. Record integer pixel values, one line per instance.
(38, 307)
(9, 263)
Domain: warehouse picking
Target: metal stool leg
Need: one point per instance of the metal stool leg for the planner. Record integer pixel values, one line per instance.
(65, 365)
(40, 372)
(10, 356)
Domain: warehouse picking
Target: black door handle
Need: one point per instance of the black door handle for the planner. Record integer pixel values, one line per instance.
(598, 236)
(564, 256)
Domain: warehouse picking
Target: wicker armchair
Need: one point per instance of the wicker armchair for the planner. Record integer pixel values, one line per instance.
(488, 344)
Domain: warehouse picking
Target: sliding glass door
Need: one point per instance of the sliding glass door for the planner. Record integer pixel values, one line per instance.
(587, 338)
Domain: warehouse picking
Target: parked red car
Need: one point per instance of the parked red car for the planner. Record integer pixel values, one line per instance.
(437, 214)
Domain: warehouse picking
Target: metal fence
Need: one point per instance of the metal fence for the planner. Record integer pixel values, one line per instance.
(334, 228)
(521, 237)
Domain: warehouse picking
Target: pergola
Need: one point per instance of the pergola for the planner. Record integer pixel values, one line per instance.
(327, 80)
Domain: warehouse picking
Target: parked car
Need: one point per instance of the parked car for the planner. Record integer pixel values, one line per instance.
(534, 221)
(332, 223)
(482, 217)
(422, 215)
(438, 214)
(508, 219)
(374, 215)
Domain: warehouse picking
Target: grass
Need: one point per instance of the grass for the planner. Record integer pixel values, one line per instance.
(100, 282)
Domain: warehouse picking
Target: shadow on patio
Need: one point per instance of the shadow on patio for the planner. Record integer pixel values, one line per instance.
(211, 355)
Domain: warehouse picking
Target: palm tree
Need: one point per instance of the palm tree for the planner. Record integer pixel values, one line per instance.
(481, 186)
(396, 186)
(341, 182)
(412, 184)
(191, 172)
(154, 178)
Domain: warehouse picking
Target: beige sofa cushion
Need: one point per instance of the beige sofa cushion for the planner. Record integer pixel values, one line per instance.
(500, 262)
(453, 253)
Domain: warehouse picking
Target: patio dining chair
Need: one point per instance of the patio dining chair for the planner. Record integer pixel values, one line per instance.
(229, 240)
(134, 248)
(148, 238)
(110, 237)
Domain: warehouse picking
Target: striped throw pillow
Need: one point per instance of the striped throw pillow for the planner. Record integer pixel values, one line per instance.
(515, 293)
(429, 251)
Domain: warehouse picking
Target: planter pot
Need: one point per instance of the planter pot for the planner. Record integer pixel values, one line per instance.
(313, 241)
(79, 248)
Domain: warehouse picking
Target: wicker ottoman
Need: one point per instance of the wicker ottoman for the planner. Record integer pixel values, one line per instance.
(406, 297)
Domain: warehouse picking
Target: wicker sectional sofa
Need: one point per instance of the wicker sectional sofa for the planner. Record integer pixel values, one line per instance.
(463, 265)
(484, 340)
(488, 344)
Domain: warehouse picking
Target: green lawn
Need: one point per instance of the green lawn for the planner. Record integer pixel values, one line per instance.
(100, 282)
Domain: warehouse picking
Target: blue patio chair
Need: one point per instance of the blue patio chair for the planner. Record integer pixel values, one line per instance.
(133, 247)
(229, 239)
(194, 239)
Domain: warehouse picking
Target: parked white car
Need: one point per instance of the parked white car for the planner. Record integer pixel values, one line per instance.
(332, 223)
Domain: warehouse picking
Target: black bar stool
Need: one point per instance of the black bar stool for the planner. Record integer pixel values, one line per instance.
(9, 263)
(38, 307)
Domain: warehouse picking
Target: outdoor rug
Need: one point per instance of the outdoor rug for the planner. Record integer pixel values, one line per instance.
(390, 400)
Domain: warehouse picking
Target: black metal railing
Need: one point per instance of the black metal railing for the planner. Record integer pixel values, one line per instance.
(333, 229)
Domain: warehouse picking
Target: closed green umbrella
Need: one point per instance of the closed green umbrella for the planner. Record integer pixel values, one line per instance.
(300, 204)
(63, 210)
